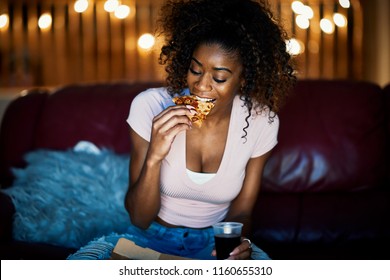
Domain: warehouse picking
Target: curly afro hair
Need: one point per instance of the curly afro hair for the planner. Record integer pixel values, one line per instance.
(241, 27)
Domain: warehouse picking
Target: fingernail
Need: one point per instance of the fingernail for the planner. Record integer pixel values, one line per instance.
(192, 111)
(234, 252)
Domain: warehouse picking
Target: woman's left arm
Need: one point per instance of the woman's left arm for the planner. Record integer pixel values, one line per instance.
(242, 206)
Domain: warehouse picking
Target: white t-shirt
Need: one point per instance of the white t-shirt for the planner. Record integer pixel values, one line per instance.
(184, 202)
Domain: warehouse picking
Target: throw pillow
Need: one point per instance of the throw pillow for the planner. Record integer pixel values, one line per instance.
(68, 198)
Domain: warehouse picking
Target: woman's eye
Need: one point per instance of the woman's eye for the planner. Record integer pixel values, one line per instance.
(219, 81)
(194, 72)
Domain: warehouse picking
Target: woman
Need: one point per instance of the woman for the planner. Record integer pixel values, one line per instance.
(185, 178)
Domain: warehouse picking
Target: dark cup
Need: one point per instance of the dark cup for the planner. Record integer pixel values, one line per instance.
(227, 236)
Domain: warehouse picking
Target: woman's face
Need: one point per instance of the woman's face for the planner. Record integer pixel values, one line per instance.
(215, 74)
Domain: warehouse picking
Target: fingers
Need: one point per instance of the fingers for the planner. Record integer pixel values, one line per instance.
(214, 253)
(243, 251)
(175, 113)
(165, 127)
(172, 117)
(170, 122)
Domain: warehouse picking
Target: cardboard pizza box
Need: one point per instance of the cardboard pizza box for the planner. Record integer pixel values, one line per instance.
(126, 249)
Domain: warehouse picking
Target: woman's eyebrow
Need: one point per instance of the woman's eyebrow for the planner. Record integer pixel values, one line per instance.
(215, 68)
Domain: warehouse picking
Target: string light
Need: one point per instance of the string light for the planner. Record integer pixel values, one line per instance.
(302, 21)
(345, 3)
(146, 41)
(340, 20)
(327, 26)
(122, 11)
(4, 21)
(301, 9)
(294, 46)
(297, 7)
(80, 6)
(111, 5)
(45, 21)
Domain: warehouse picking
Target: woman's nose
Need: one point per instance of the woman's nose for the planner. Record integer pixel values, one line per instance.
(204, 83)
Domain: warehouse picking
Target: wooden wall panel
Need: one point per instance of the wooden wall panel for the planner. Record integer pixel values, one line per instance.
(103, 63)
(95, 46)
(130, 40)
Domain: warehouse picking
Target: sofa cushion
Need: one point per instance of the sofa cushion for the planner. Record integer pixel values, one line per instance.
(66, 198)
(332, 138)
(341, 218)
(276, 218)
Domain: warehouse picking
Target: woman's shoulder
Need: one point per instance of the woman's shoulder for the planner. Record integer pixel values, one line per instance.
(154, 93)
(154, 97)
(145, 106)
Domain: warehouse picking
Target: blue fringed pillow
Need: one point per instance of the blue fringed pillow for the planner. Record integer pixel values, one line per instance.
(68, 198)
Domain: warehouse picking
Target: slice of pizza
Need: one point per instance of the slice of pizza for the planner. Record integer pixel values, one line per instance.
(202, 107)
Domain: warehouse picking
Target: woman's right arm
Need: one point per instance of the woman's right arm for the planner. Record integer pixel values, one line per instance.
(143, 196)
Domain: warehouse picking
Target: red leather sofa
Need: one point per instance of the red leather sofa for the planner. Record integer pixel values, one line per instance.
(326, 190)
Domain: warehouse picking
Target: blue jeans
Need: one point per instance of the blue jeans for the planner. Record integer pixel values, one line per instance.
(185, 242)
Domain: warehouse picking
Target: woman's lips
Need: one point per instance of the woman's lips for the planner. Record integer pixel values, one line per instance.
(204, 99)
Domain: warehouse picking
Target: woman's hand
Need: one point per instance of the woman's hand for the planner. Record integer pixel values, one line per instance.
(165, 127)
(241, 252)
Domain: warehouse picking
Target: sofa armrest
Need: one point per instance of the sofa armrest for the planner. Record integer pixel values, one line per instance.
(18, 131)
(7, 210)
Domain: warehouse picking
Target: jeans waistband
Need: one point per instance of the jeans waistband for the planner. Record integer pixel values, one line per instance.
(156, 228)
